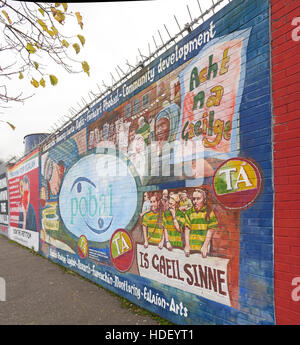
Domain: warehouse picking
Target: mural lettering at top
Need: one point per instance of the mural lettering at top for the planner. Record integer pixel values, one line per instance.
(150, 192)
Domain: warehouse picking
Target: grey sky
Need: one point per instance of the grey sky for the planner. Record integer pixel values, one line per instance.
(114, 31)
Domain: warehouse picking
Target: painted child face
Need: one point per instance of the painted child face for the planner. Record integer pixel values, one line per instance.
(153, 204)
(198, 200)
(172, 203)
(183, 196)
(131, 135)
(162, 129)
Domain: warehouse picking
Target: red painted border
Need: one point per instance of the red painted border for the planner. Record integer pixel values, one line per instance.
(286, 146)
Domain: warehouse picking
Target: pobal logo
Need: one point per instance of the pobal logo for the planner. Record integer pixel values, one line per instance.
(94, 201)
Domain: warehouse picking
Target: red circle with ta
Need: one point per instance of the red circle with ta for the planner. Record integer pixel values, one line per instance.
(237, 183)
(82, 247)
(121, 250)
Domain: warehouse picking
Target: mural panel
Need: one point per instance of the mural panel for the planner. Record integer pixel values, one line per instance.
(3, 204)
(155, 192)
(23, 181)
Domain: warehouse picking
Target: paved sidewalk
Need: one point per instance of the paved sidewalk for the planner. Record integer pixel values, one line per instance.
(39, 292)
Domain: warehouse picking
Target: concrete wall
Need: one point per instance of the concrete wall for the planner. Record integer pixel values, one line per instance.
(286, 119)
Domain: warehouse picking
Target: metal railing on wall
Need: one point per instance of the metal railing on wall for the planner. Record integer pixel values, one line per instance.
(142, 62)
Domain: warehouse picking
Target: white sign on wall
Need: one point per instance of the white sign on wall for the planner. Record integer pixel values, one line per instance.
(205, 277)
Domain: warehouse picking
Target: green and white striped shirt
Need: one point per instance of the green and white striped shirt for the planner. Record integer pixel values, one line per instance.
(197, 223)
(150, 220)
(168, 223)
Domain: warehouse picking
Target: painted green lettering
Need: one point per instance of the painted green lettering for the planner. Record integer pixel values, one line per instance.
(212, 67)
(197, 128)
(85, 206)
(93, 199)
(200, 97)
(73, 214)
(184, 135)
(194, 81)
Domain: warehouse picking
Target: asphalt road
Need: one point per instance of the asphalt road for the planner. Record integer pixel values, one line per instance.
(39, 292)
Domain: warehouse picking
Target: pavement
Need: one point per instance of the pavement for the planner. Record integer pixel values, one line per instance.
(39, 292)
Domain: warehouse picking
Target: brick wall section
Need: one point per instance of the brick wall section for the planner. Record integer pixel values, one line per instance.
(286, 119)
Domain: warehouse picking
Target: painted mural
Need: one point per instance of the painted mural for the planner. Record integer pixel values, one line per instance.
(3, 204)
(185, 243)
(23, 181)
(54, 165)
(152, 192)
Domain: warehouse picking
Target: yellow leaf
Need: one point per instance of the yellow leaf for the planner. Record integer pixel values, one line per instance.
(57, 4)
(79, 19)
(42, 24)
(34, 83)
(86, 67)
(76, 47)
(21, 76)
(65, 43)
(51, 33)
(30, 48)
(11, 125)
(54, 11)
(53, 79)
(42, 82)
(65, 6)
(7, 16)
(55, 31)
(81, 39)
(41, 11)
(59, 16)
(36, 65)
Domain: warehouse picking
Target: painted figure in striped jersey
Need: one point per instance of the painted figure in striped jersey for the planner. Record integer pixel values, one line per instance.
(200, 224)
(173, 222)
(152, 221)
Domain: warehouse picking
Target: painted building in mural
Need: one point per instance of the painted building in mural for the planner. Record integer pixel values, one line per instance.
(163, 191)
